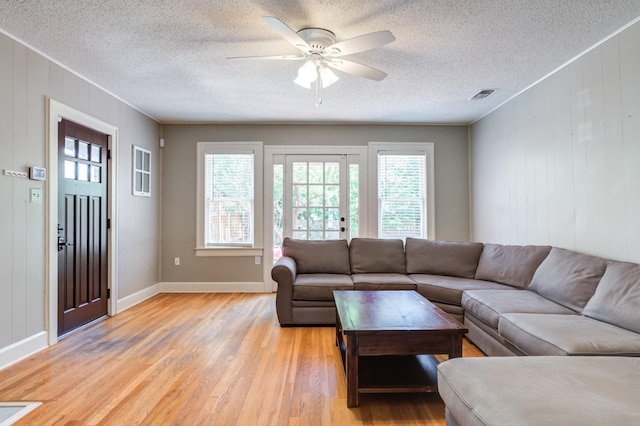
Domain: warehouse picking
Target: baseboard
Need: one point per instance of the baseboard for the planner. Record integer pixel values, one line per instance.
(138, 297)
(23, 349)
(211, 287)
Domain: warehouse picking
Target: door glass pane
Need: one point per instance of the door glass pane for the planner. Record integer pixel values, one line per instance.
(315, 219)
(83, 172)
(316, 235)
(332, 173)
(69, 147)
(300, 219)
(95, 174)
(316, 172)
(299, 196)
(332, 235)
(354, 212)
(316, 196)
(278, 202)
(332, 219)
(299, 172)
(96, 153)
(83, 150)
(332, 196)
(299, 235)
(70, 169)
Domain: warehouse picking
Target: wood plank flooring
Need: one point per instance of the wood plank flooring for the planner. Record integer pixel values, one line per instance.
(202, 359)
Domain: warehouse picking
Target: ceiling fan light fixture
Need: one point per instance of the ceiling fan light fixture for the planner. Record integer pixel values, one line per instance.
(307, 74)
(328, 77)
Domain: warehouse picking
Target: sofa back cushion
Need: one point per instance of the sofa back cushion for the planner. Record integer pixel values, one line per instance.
(372, 255)
(511, 265)
(617, 298)
(318, 257)
(455, 259)
(568, 278)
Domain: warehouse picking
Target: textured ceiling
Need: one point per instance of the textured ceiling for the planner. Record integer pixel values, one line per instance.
(167, 58)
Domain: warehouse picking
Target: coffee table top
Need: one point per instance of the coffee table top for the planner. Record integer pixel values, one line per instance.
(391, 310)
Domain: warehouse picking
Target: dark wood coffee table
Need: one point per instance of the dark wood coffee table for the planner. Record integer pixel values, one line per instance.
(387, 339)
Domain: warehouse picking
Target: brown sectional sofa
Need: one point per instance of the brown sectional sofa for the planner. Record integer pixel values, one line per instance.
(515, 300)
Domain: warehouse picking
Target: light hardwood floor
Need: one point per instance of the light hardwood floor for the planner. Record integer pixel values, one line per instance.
(202, 359)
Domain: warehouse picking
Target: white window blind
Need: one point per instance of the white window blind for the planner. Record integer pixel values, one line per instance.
(401, 195)
(229, 203)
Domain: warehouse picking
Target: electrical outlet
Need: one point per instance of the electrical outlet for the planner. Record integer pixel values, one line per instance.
(13, 173)
(35, 195)
(176, 261)
(257, 259)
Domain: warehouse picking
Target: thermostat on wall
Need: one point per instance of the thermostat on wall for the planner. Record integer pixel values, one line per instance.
(37, 173)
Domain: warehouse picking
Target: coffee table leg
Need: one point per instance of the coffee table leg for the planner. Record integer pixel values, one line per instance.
(351, 371)
(456, 346)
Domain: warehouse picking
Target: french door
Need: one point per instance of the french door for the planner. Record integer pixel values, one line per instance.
(315, 197)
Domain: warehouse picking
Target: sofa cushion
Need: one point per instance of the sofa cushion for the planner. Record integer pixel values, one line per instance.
(617, 297)
(534, 391)
(319, 286)
(376, 255)
(568, 278)
(328, 256)
(382, 281)
(443, 289)
(454, 259)
(553, 334)
(488, 305)
(511, 265)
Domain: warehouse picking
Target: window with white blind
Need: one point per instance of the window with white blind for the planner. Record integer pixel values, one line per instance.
(228, 209)
(404, 175)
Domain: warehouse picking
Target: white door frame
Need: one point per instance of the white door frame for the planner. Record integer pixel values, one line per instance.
(271, 151)
(55, 112)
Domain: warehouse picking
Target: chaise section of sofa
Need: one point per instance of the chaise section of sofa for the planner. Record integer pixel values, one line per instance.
(537, 391)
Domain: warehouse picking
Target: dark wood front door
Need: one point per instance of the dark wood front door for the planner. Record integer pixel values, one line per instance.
(82, 225)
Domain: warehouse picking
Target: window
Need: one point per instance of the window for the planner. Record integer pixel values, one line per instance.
(404, 189)
(141, 170)
(229, 202)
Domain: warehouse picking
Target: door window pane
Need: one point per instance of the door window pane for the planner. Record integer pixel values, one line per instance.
(69, 147)
(83, 150)
(69, 169)
(96, 153)
(96, 174)
(83, 172)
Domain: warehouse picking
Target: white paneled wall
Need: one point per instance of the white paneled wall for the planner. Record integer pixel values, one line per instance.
(560, 163)
(26, 79)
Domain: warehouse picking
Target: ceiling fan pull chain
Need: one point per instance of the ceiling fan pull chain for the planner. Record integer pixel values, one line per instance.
(318, 86)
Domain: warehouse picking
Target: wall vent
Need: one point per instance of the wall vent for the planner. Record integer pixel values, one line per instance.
(482, 94)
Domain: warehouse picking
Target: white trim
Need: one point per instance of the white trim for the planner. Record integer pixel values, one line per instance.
(57, 110)
(396, 147)
(229, 252)
(212, 287)
(27, 407)
(137, 297)
(24, 348)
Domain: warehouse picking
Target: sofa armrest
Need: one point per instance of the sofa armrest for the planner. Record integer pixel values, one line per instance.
(284, 272)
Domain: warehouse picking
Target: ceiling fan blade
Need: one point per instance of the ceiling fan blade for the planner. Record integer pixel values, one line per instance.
(357, 69)
(360, 43)
(287, 33)
(285, 57)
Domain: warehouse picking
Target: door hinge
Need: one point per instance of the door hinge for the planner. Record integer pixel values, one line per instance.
(108, 293)
(108, 223)
(108, 154)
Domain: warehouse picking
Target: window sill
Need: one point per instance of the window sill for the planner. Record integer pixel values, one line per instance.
(228, 251)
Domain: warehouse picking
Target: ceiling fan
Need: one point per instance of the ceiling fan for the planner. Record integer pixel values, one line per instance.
(321, 53)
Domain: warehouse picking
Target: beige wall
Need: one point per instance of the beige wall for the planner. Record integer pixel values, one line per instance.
(179, 183)
(560, 164)
(26, 79)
